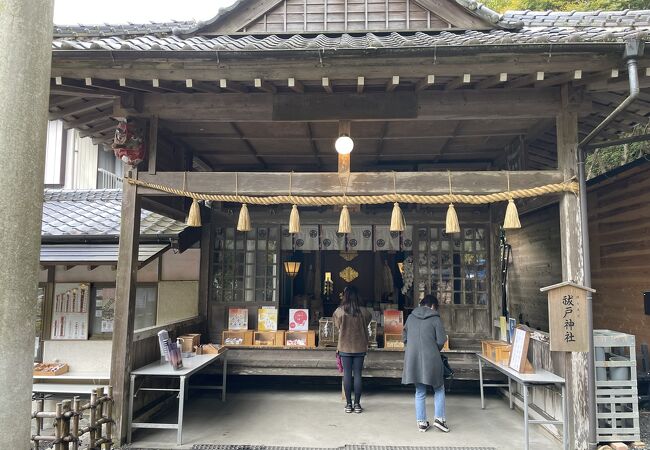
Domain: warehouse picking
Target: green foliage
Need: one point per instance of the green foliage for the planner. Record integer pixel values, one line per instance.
(605, 159)
(566, 5)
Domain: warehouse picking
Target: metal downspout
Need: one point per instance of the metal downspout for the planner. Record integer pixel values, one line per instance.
(632, 49)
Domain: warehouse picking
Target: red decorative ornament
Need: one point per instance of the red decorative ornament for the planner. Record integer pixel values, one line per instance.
(128, 144)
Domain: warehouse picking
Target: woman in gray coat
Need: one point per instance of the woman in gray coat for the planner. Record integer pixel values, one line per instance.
(424, 336)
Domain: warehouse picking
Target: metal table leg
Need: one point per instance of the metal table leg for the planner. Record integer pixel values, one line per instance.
(565, 420)
(512, 406)
(525, 389)
(130, 418)
(480, 378)
(181, 403)
(225, 373)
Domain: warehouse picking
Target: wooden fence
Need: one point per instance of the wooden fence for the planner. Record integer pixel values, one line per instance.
(68, 432)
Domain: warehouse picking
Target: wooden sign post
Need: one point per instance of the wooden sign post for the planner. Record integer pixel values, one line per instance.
(567, 317)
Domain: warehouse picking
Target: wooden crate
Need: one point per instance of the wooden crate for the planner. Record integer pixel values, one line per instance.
(268, 338)
(50, 369)
(393, 342)
(300, 339)
(497, 351)
(232, 338)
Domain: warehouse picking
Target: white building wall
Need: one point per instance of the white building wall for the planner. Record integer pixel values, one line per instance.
(81, 163)
(54, 153)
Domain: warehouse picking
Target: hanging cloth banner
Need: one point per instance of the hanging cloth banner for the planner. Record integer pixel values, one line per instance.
(361, 238)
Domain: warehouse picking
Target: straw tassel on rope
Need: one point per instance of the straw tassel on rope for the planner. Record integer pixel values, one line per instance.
(244, 222)
(451, 222)
(511, 221)
(397, 222)
(294, 220)
(294, 217)
(194, 216)
(345, 226)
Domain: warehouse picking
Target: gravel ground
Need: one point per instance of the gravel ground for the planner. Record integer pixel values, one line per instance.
(644, 417)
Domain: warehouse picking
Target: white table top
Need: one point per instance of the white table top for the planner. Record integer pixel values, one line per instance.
(68, 376)
(190, 365)
(59, 388)
(539, 377)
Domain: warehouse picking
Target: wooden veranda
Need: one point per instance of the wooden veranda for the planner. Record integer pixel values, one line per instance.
(239, 106)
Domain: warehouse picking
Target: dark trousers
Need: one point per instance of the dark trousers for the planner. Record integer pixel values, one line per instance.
(352, 365)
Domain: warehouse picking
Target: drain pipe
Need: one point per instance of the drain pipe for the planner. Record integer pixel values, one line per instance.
(633, 49)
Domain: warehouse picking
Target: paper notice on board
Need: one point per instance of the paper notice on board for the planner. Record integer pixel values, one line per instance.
(517, 349)
(107, 326)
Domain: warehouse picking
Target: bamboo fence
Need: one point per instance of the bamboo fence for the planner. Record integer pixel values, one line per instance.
(67, 416)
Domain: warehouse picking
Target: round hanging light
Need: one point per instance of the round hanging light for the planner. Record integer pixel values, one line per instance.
(344, 145)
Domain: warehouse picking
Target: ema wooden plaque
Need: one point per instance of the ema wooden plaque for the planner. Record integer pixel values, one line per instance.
(567, 317)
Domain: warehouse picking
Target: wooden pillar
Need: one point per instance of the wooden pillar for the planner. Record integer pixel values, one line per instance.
(205, 270)
(572, 269)
(127, 270)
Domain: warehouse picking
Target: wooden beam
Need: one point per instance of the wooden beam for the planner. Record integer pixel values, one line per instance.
(139, 86)
(361, 183)
(123, 323)
(458, 82)
(492, 81)
(327, 85)
(80, 107)
(311, 107)
(152, 144)
(248, 144)
(202, 86)
(361, 81)
(523, 81)
(232, 86)
(98, 129)
(295, 85)
(314, 146)
(183, 65)
(265, 86)
(425, 82)
(392, 83)
(87, 118)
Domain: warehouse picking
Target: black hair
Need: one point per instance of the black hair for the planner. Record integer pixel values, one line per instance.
(429, 301)
(350, 301)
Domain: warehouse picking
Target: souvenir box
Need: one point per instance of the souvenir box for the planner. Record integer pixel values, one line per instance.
(49, 369)
(268, 338)
(393, 342)
(234, 338)
(497, 351)
(301, 339)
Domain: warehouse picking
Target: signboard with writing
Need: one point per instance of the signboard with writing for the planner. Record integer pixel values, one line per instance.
(567, 316)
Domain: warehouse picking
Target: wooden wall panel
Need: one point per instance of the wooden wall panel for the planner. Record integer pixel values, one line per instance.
(536, 262)
(619, 233)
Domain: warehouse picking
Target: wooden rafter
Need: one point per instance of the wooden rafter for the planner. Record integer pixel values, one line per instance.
(80, 107)
(248, 144)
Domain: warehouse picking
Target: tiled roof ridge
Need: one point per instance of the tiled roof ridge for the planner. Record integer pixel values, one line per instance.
(122, 29)
(82, 195)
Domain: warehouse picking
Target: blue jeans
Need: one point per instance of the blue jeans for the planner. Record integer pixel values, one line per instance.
(421, 405)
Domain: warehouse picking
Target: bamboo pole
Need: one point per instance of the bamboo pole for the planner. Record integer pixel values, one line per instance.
(75, 423)
(58, 427)
(109, 415)
(66, 424)
(100, 416)
(92, 433)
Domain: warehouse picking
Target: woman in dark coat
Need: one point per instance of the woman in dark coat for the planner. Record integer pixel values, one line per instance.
(424, 336)
(352, 322)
